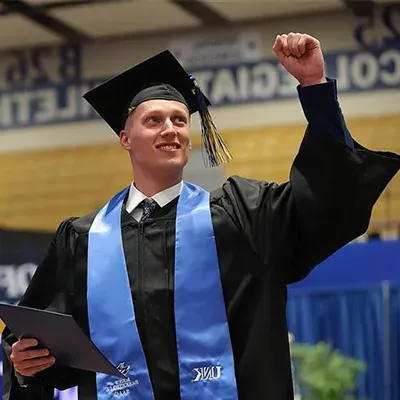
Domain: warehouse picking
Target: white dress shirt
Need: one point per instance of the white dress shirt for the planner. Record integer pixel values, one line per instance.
(162, 198)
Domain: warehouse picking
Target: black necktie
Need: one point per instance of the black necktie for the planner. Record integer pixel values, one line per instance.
(148, 206)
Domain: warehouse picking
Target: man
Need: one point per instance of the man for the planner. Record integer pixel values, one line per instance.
(186, 294)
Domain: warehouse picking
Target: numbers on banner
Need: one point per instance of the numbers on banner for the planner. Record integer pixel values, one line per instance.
(32, 68)
(16, 73)
(387, 16)
(70, 63)
(37, 73)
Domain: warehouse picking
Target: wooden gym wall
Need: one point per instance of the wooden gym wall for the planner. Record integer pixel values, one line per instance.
(38, 189)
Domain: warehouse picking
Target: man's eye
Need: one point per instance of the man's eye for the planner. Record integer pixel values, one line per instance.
(153, 120)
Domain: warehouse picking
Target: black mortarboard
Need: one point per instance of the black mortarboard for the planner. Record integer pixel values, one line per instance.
(159, 77)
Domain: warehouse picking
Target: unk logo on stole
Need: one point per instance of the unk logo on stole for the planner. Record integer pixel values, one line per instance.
(122, 387)
(212, 373)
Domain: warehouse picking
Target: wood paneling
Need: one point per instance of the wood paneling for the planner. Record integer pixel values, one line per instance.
(38, 189)
(267, 153)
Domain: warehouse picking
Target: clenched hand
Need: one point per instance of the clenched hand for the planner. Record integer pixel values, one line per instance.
(302, 57)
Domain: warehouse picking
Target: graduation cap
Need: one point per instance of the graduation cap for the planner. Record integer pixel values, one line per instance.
(159, 77)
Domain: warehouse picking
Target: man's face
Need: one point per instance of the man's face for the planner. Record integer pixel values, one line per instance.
(157, 136)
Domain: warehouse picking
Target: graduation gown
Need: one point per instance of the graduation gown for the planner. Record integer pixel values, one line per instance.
(267, 235)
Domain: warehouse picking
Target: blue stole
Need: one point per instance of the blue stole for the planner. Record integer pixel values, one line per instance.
(206, 365)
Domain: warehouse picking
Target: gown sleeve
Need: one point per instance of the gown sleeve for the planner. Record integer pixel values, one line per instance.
(48, 290)
(333, 185)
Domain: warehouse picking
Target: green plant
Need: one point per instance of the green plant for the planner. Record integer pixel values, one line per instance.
(323, 373)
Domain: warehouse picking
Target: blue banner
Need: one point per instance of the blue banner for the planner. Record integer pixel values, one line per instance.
(32, 95)
(356, 265)
(267, 80)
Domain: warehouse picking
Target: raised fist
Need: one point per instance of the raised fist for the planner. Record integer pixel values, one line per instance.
(301, 55)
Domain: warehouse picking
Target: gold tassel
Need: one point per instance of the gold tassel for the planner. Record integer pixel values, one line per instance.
(214, 145)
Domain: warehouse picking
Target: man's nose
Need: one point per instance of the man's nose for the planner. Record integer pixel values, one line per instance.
(169, 128)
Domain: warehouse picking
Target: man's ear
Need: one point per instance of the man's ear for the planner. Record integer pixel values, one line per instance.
(125, 140)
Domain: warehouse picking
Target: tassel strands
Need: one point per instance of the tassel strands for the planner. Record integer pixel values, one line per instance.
(216, 149)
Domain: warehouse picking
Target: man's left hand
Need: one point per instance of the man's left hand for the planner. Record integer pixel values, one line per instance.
(301, 55)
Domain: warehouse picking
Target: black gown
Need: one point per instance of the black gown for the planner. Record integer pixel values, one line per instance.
(268, 235)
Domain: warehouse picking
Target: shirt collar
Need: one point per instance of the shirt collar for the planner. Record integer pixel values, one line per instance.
(162, 198)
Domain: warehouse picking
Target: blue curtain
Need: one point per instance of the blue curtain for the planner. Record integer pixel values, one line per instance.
(394, 373)
(353, 321)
